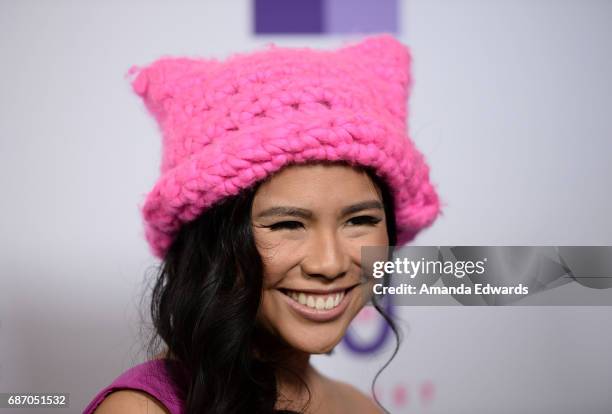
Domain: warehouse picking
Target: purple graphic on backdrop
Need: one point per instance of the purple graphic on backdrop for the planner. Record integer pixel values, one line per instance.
(360, 16)
(325, 16)
(288, 16)
(359, 346)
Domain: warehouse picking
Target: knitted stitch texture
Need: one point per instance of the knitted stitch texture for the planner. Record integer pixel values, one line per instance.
(229, 124)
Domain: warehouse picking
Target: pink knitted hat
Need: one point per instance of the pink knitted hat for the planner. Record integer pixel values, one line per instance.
(228, 124)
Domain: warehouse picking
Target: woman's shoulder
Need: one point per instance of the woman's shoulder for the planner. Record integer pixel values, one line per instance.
(130, 401)
(352, 399)
(145, 388)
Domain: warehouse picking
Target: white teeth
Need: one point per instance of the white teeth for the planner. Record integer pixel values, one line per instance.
(318, 302)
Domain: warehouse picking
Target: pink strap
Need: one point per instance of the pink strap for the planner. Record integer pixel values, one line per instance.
(150, 377)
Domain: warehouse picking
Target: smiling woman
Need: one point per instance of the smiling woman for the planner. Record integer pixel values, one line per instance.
(260, 222)
(311, 250)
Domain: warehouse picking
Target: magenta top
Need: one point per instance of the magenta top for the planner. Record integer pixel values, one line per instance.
(150, 377)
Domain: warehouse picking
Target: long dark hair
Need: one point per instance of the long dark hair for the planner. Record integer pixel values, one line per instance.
(203, 307)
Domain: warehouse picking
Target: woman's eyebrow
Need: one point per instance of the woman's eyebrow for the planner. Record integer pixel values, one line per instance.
(286, 211)
(365, 205)
(306, 214)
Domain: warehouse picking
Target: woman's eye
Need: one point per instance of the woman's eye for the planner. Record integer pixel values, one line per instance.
(288, 225)
(364, 220)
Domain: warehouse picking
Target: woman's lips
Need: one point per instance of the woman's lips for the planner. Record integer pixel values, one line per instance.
(314, 314)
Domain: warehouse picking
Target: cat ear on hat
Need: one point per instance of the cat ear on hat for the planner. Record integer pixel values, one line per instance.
(388, 57)
(390, 64)
(167, 78)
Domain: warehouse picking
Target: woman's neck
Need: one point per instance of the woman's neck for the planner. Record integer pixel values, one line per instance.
(298, 382)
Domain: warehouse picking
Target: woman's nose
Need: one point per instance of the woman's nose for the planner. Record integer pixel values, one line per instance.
(326, 256)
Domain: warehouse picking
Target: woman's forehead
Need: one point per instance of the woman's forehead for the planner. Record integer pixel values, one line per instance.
(317, 185)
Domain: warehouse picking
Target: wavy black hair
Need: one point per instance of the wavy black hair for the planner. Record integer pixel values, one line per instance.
(203, 307)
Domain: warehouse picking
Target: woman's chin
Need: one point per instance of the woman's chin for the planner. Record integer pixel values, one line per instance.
(315, 346)
(315, 338)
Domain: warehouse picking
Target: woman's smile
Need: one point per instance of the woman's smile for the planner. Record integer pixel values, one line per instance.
(318, 305)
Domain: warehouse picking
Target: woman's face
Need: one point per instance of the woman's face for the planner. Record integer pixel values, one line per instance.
(309, 223)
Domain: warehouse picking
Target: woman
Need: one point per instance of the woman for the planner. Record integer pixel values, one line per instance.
(277, 167)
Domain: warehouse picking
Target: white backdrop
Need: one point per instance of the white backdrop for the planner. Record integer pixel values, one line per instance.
(511, 108)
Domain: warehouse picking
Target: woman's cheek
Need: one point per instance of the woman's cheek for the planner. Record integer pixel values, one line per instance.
(278, 263)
